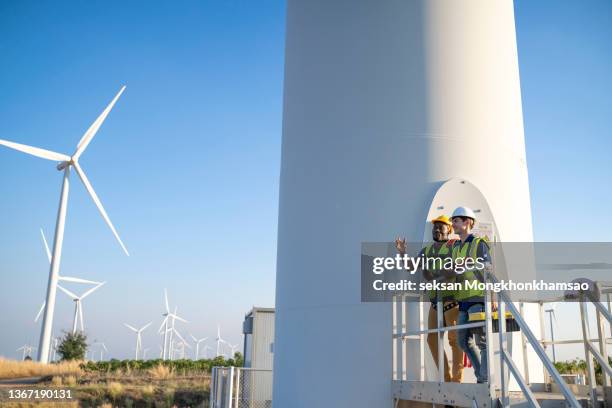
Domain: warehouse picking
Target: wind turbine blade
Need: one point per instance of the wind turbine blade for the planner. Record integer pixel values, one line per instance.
(90, 291)
(46, 245)
(104, 347)
(66, 291)
(162, 325)
(179, 335)
(193, 337)
(78, 280)
(42, 307)
(96, 200)
(130, 327)
(145, 326)
(166, 300)
(91, 132)
(180, 318)
(35, 151)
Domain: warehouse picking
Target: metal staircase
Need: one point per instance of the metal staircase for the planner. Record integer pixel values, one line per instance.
(410, 388)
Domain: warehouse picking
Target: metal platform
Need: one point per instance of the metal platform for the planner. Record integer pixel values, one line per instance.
(411, 387)
(459, 395)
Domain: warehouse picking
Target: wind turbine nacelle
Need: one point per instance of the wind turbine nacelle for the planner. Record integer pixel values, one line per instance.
(62, 165)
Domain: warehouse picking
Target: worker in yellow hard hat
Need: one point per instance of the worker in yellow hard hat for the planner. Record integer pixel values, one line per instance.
(440, 248)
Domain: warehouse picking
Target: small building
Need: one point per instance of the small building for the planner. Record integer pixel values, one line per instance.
(258, 330)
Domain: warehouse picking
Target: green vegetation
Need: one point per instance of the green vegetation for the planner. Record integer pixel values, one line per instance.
(174, 365)
(579, 366)
(126, 383)
(73, 346)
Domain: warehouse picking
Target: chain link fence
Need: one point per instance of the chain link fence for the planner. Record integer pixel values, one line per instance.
(238, 387)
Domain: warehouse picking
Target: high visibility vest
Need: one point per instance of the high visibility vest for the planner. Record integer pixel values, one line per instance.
(467, 250)
(443, 252)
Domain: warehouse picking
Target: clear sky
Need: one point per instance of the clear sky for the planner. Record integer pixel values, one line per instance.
(187, 163)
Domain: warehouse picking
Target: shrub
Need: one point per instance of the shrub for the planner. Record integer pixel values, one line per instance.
(114, 389)
(148, 391)
(160, 372)
(70, 381)
(73, 346)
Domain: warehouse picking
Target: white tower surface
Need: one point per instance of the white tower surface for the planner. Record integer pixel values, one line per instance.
(383, 103)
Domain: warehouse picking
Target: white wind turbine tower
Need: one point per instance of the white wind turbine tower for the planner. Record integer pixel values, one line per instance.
(197, 342)
(78, 305)
(59, 278)
(168, 328)
(138, 335)
(219, 340)
(66, 163)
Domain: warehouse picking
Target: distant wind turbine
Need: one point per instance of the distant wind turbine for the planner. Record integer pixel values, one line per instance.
(78, 305)
(197, 342)
(59, 278)
(138, 336)
(219, 340)
(102, 349)
(234, 348)
(182, 342)
(27, 350)
(65, 164)
(168, 326)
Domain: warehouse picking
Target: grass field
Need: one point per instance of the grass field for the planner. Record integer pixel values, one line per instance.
(182, 383)
(16, 369)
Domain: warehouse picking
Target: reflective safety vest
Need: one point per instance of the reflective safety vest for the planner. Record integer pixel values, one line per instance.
(467, 250)
(443, 252)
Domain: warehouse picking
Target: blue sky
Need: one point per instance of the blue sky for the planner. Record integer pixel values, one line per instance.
(187, 163)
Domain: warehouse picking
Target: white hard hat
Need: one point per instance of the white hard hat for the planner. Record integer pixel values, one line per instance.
(463, 212)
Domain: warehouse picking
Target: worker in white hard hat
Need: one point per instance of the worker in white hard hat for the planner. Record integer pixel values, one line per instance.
(473, 340)
(441, 248)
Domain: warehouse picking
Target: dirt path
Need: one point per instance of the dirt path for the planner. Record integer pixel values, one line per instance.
(20, 381)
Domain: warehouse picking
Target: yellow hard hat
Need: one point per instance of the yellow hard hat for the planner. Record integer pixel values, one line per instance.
(443, 219)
